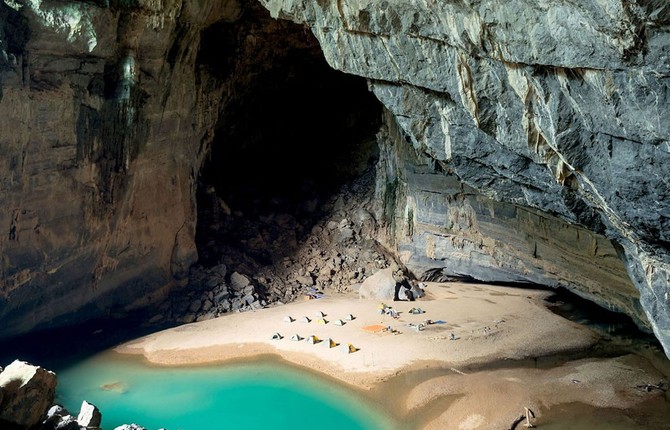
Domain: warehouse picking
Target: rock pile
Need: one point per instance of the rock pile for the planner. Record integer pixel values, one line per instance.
(212, 294)
(59, 418)
(279, 263)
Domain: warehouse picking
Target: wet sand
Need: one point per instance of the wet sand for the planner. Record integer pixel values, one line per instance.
(493, 327)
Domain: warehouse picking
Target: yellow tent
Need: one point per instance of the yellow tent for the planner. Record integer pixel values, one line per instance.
(329, 343)
(348, 349)
(313, 339)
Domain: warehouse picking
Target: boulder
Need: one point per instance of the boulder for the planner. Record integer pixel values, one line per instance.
(67, 423)
(238, 281)
(27, 393)
(54, 416)
(89, 416)
(380, 286)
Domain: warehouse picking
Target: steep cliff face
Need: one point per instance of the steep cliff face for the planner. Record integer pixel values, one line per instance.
(558, 107)
(102, 124)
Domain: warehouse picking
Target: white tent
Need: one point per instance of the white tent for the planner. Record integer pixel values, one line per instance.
(313, 340)
(338, 322)
(276, 336)
(305, 320)
(348, 349)
(296, 337)
(329, 343)
(349, 317)
(288, 319)
(320, 314)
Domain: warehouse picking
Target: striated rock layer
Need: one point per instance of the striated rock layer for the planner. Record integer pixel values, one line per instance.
(101, 130)
(556, 108)
(525, 141)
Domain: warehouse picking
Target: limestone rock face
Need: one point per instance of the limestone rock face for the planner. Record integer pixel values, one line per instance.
(28, 392)
(556, 108)
(102, 127)
(525, 141)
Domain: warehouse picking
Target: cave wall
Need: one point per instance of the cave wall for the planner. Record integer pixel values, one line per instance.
(554, 106)
(102, 128)
(442, 228)
(505, 147)
(108, 110)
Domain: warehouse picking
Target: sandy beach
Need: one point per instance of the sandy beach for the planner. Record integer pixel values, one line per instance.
(466, 354)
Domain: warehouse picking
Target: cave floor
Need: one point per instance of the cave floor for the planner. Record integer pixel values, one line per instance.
(482, 355)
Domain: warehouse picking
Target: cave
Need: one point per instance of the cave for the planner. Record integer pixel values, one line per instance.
(290, 133)
(216, 168)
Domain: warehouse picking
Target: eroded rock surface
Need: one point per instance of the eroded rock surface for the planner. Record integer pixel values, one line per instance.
(526, 142)
(28, 391)
(558, 107)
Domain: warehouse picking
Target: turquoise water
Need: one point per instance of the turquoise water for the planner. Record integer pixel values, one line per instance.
(261, 395)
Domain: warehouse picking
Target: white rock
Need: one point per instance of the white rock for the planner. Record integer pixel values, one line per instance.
(89, 415)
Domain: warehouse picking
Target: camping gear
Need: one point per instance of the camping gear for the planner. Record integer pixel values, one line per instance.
(329, 343)
(375, 328)
(305, 320)
(321, 321)
(296, 337)
(276, 336)
(349, 317)
(288, 319)
(348, 349)
(338, 322)
(313, 340)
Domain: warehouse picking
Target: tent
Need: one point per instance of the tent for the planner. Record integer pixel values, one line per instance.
(329, 343)
(313, 340)
(348, 349)
(321, 321)
(288, 319)
(276, 336)
(320, 314)
(338, 322)
(349, 317)
(305, 319)
(296, 337)
(417, 311)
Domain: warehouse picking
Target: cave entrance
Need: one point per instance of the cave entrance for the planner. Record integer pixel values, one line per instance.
(291, 132)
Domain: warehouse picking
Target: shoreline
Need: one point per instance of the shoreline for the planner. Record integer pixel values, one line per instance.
(510, 324)
(493, 326)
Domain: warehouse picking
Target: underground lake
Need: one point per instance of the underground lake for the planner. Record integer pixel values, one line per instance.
(262, 394)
